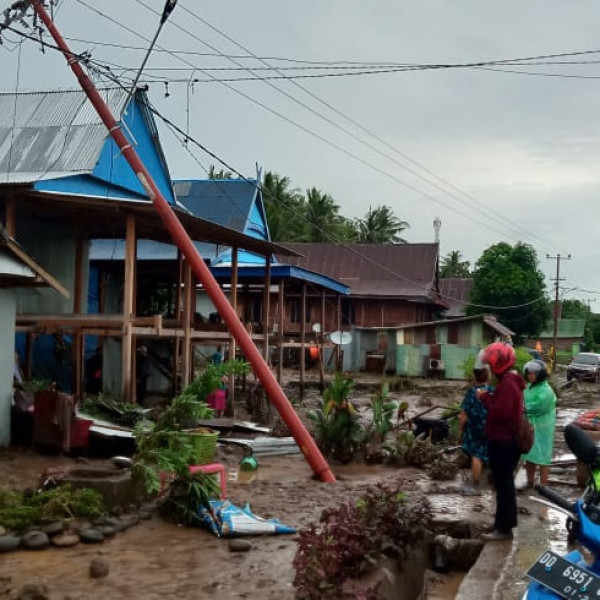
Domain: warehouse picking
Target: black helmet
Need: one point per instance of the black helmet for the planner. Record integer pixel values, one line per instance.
(538, 367)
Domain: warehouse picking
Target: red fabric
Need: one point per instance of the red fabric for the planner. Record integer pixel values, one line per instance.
(505, 407)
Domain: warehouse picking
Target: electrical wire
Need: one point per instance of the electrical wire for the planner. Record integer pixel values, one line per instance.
(471, 201)
(189, 138)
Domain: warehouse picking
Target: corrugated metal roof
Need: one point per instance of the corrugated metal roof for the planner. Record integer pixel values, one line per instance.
(455, 293)
(227, 202)
(567, 328)
(46, 135)
(383, 270)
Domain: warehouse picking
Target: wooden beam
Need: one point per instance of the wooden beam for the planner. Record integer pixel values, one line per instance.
(303, 341)
(266, 307)
(281, 306)
(232, 344)
(186, 368)
(10, 219)
(127, 357)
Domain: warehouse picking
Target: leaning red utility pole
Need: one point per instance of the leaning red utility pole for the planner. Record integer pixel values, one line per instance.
(182, 240)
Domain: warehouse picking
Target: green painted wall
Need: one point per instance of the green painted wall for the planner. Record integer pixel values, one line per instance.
(454, 358)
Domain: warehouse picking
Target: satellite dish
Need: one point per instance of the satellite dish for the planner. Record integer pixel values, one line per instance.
(317, 327)
(340, 338)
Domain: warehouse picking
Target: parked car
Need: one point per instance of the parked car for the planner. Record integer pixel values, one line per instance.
(585, 366)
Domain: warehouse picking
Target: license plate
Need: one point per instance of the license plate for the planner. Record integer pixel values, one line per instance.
(565, 578)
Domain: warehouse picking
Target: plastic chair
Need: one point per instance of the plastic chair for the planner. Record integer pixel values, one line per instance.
(214, 468)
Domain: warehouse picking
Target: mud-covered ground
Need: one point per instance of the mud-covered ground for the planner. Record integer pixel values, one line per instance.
(156, 559)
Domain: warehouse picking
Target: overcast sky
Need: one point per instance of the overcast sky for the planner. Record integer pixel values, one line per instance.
(523, 146)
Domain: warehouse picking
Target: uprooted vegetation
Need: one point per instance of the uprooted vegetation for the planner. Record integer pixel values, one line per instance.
(353, 537)
(18, 511)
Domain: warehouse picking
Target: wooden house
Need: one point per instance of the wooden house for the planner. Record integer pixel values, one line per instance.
(63, 182)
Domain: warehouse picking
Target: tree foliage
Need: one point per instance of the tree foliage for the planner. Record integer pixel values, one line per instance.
(508, 279)
(380, 226)
(315, 217)
(453, 266)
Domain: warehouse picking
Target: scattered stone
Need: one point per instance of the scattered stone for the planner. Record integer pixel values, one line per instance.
(91, 536)
(82, 460)
(8, 543)
(35, 540)
(33, 591)
(117, 511)
(65, 540)
(123, 462)
(2, 531)
(99, 567)
(239, 545)
(107, 530)
(54, 528)
(127, 521)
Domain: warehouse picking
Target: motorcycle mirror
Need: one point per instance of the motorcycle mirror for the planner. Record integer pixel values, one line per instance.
(580, 444)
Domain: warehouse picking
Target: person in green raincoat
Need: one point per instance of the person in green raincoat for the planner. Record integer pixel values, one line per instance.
(540, 408)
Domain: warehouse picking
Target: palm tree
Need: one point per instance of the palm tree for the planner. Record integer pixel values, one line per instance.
(454, 266)
(322, 216)
(283, 206)
(381, 226)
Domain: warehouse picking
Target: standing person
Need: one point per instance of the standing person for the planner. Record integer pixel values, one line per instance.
(505, 411)
(472, 428)
(540, 408)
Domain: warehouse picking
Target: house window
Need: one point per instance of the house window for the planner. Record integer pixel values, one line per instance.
(296, 312)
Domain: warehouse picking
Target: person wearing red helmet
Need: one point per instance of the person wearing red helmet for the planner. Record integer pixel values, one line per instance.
(505, 409)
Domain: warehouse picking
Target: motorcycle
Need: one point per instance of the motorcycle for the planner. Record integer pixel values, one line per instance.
(570, 576)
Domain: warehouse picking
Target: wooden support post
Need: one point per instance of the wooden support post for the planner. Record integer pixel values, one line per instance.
(187, 324)
(232, 345)
(29, 354)
(10, 219)
(266, 307)
(281, 305)
(321, 337)
(127, 357)
(303, 341)
(77, 348)
(338, 320)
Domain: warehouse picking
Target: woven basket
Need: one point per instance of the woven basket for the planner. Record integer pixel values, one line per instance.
(205, 445)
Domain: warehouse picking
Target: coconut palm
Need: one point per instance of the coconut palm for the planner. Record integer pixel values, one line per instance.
(454, 266)
(381, 226)
(284, 206)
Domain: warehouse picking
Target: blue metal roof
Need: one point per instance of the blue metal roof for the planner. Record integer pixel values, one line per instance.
(56, 142)
(281, 271)
(234, 203)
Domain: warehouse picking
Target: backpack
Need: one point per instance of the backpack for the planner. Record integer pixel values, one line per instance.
(525, 435)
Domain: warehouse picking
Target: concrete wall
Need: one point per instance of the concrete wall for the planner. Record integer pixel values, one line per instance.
(7, 349)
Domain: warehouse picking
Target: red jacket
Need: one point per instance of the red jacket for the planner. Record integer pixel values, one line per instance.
(505, 407)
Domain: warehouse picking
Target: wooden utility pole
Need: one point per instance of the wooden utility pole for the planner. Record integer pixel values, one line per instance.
(557, 281)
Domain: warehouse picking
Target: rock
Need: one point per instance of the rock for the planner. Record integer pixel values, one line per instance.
(2, 531)
(127, 521)
(123, 462)
(99, 567)
(8, 543)
(91, 536)
(53, 528)
(33, 591)
(145, 513)
(35, 540)
(107, 530)
(65, 540)
(239, 545)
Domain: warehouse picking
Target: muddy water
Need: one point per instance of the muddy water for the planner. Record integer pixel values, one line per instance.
(156, 559)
